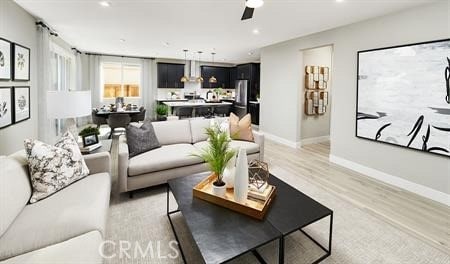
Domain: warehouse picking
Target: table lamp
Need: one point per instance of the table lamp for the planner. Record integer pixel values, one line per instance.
(68, 105)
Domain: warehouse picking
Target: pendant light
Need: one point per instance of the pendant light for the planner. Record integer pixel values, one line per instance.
(199, 78)
(213, 79)
(185, 78)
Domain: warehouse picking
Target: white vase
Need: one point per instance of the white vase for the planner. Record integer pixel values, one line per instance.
(219, 190)
(241, 177)
(229, 172)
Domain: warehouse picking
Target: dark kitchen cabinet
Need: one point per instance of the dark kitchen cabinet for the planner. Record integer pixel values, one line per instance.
(222, 75)
(253, 109)
(169, 75)
(250, 72)
(233, 77)
(244, 71)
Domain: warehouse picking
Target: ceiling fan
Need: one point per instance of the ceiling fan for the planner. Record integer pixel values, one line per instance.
(250, 6)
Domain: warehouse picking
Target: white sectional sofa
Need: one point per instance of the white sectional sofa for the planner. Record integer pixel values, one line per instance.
(179, 139)
(67, 227)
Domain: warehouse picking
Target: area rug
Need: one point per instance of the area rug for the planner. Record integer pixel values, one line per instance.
(138, 231)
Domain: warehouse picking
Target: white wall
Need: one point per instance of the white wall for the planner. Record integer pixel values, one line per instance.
(16, 25)
(316, 126)
(280, 78)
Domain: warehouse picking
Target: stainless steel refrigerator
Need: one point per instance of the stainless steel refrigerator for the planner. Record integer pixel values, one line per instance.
(240, 102)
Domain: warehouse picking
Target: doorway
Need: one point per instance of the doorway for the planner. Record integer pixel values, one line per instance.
(316, 95)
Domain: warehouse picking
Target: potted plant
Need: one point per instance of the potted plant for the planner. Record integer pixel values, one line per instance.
(161, 112)
(90, 130)
(217, 155)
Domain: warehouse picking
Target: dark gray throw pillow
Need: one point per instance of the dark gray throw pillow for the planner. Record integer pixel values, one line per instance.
(141, 139)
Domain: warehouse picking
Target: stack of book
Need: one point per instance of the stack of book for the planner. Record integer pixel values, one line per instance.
(262, 193)
(90, 148)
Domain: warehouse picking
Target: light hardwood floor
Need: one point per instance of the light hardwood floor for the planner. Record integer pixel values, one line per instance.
(423, 218)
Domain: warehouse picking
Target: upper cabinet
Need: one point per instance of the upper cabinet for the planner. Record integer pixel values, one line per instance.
(169, 75)
(233, 77)
(244, 71)
(222, 75)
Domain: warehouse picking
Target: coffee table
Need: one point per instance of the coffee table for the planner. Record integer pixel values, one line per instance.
(222, 235)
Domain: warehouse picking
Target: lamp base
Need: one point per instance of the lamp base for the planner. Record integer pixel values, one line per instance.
(70, 125)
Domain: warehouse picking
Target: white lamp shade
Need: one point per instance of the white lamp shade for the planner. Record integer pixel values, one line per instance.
(65, 104)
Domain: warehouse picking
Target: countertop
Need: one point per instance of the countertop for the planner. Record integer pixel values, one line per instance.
(171, 100)
(192, 104)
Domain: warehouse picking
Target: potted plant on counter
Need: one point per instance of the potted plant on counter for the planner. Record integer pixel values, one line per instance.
(217, 155)
(161, 112)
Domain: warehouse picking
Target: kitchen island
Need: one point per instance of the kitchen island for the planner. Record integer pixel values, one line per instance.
(194, 104)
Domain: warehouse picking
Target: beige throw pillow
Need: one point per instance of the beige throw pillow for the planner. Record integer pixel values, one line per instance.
(53, 168)
(241, 129)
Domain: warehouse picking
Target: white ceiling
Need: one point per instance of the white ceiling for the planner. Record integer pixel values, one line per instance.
(146, 25)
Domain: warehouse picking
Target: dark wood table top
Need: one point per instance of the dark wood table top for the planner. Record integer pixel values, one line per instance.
(222, 234)
(105, 112)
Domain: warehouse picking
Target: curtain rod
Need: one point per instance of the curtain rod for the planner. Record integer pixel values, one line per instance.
(51, 31)
(77, 51)
(120, 56)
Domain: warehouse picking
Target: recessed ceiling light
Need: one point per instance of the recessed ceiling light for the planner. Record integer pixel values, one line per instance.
(105, 3)
(254, 3)
(165, 43)
(339, 1)
(121, 40)
(255, 31)
(250, 53)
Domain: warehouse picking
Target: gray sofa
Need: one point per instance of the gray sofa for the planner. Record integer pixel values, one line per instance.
(67, 227)
(179, 139)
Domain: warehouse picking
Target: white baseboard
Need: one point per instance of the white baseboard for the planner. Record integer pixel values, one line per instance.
(313, 140)
(281, 140)
(393, 180)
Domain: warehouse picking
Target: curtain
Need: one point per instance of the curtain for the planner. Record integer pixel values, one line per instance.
(47, 127)
(148, 93)
(80, 86)
(91, 78)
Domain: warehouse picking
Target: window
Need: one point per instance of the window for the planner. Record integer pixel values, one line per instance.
(120, 80)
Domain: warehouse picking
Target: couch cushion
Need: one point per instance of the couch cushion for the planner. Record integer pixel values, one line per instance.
(166, 157)
(15, 189)
(78, 209)
(80, 249)
(241, 129)
(250, 147)
(141, 139)
(53, 168)
(198, 126)
(173, 132)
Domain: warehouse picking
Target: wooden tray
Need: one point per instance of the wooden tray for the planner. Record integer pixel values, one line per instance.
(253, 208)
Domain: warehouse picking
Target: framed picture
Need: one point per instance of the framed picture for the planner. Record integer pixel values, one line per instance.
(21, 69)
(6, 108)
(5, 59)
(21, 103)
(402, 96)
(89, 140)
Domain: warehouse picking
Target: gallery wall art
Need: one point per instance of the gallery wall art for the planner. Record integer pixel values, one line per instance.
(21, 104)
(403, 96)
(6, 109)
(5, 59)
(21, 69)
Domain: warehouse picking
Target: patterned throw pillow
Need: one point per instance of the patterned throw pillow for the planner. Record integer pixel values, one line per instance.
(141, 139)
(241, 129)
(53, 168)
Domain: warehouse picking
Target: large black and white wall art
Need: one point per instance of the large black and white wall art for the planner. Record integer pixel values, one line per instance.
(404, 96)
(6, 108)
(21, 104)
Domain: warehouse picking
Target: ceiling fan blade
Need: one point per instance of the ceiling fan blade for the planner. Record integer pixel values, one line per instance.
(248, 13)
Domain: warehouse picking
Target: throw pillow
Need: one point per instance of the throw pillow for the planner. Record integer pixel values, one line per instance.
(53, 168)
(141, 139)
(241, 129)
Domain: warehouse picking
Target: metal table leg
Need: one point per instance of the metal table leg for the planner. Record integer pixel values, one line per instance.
(171, 223)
